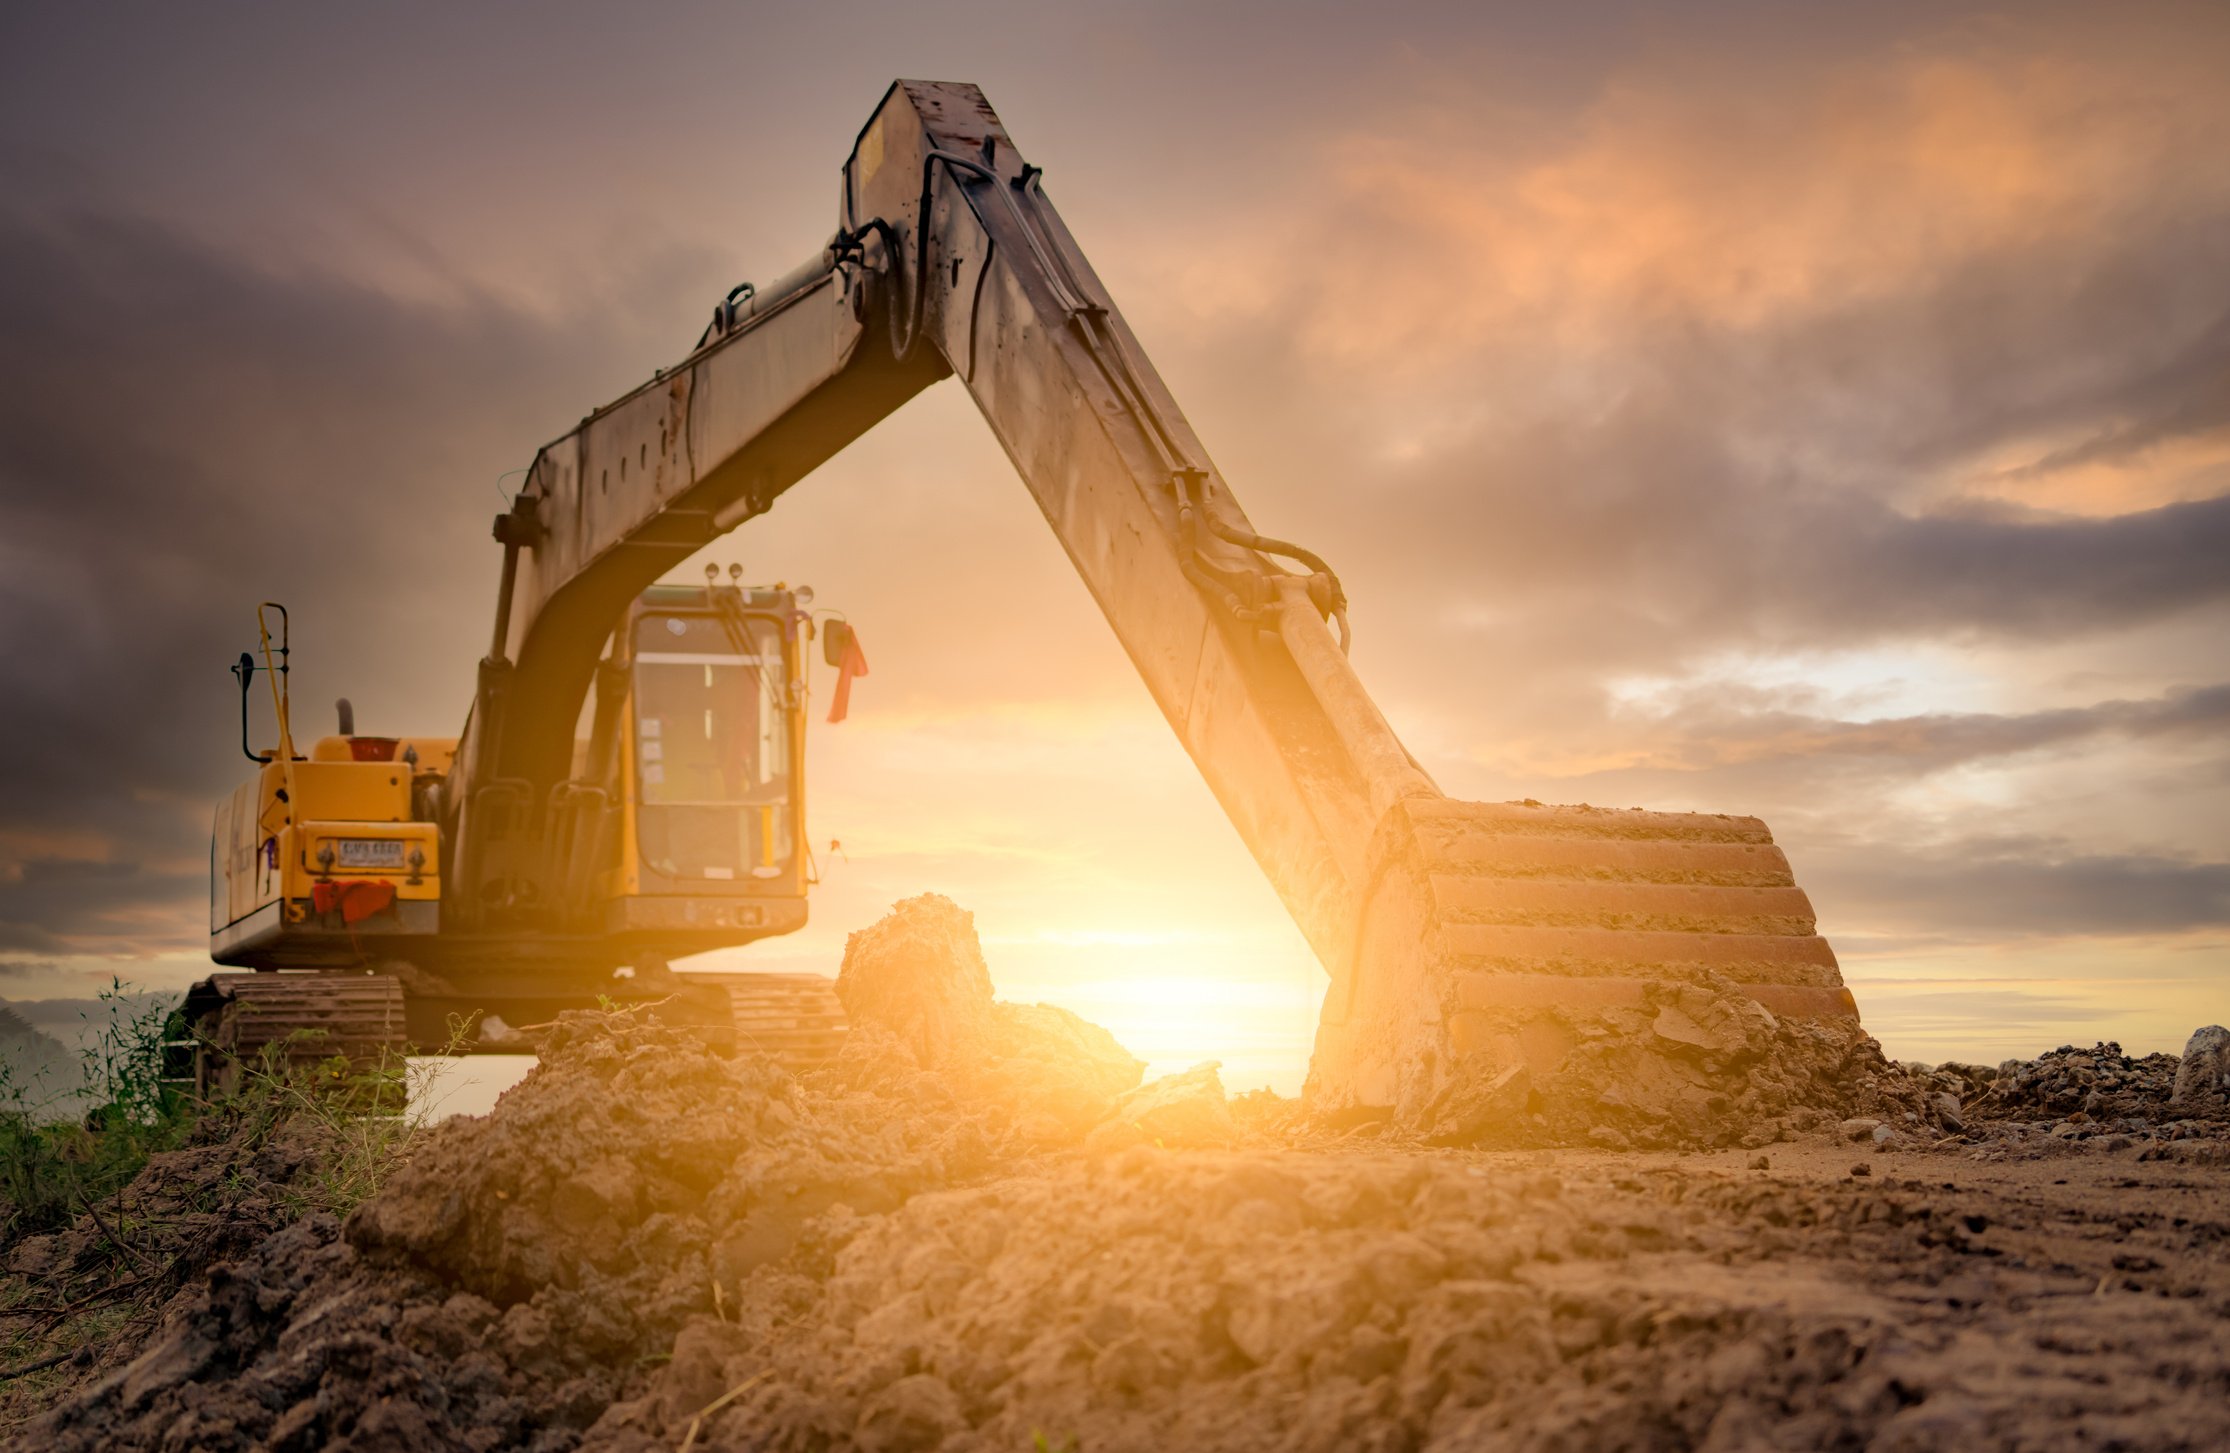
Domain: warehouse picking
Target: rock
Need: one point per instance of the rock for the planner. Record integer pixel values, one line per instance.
(1759, 1162)
(1716, 1019)
(2203, 1076)
(1475, 1107)
(1609, 1139)
(919, 973)
(1175, 1110)
(1860, 1128)
(1672, 1024)
(1049, 1062)
(1862, 1169)
(1950, 1113)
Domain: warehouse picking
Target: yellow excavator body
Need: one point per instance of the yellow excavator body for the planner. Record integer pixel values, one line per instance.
(689, 836)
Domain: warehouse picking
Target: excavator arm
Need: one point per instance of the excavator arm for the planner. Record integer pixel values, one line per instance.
(1462, 939)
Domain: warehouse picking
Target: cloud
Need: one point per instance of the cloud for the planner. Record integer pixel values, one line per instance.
(1718, 725)
(52, 905)
(184, 432)
(1831, 351)
(1998, 891)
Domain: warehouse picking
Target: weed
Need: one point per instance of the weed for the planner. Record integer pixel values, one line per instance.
(51, 1168)
(355, 1119)
(122, 1235)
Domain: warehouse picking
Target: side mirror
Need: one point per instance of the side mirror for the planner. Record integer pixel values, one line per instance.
(836, 641)
(244, 671)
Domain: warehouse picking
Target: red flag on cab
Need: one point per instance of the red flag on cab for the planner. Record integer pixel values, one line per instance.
(855, 664)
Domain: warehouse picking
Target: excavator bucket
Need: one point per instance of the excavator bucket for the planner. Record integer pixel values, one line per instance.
(1502, 937)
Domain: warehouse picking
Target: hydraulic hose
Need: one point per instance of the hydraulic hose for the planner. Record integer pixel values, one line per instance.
(1323, 587)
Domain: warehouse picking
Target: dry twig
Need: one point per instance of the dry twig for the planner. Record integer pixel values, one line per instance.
(115, 1240)
(39, 1366)
(697, 1423)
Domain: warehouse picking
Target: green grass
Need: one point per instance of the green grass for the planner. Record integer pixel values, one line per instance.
(50, 1168)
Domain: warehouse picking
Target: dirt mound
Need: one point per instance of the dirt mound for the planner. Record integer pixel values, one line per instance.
(2070, 1097)
(977, 1231)
(2100, 1082)
(1695, 1063)
(641, 1171)
(1250, 1301)
(78, 1303)
(919, 998)
(511, 1276)
(645, 1239)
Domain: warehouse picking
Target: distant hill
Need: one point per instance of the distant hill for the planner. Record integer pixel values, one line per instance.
(48, 1046)
(43, 1073)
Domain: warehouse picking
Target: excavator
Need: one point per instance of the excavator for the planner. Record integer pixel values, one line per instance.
(380, 888)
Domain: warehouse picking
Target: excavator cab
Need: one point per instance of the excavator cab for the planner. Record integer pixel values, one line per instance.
(710, 842)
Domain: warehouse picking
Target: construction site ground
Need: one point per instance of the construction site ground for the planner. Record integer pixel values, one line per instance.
(977, 1230)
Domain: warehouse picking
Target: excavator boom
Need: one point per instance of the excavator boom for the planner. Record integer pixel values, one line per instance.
(1461, 938)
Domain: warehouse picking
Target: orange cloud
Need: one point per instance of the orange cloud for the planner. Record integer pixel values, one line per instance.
(1468, 264)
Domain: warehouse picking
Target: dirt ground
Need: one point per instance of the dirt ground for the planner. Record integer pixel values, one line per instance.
(979, 1231)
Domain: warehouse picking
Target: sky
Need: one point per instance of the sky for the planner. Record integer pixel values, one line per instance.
(1816, 412)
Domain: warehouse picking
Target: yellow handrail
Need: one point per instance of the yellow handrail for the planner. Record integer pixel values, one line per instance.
(279, 701)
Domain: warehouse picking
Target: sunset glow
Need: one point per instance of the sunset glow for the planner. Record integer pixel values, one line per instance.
(1823, 422)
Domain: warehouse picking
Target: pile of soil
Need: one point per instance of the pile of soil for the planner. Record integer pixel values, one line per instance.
(919, 999)
(979, 1231)
(81, 1300)
(2099, 1084)
(2071, 1096)
(1699, 1063)
(1380, 1300)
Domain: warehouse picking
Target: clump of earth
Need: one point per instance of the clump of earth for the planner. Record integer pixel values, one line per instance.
(980, 1229)
(1698, 1063)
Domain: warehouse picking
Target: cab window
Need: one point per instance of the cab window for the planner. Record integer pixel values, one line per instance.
(712, 748)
